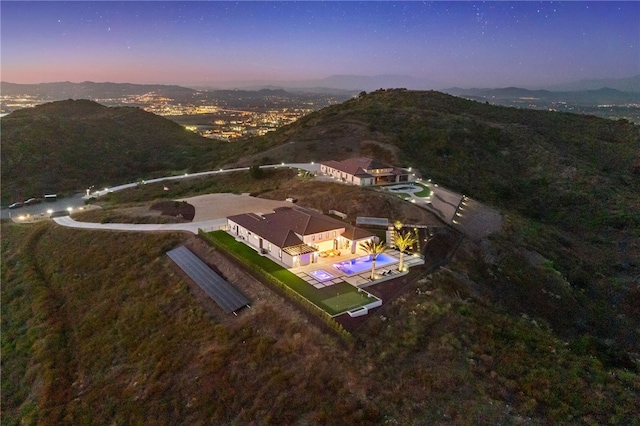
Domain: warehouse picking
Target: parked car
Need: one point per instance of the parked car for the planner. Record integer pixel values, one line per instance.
(31, 201)
(15, 205)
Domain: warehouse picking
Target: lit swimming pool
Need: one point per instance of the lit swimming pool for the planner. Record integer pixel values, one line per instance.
(355, 266)
(321, 275)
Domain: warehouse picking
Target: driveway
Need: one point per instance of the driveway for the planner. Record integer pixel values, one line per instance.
(217, 206)
(211, 213)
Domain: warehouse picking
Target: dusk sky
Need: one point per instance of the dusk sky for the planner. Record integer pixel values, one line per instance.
(467, 44)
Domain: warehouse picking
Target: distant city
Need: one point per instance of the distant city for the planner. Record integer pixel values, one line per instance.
(222, 115)
(231, 114)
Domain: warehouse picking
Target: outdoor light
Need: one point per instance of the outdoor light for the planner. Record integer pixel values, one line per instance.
(69, 209)
(49, 211)
(21, 217)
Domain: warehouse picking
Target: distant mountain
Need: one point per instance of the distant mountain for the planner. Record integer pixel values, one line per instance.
(631, 84)
(331, 84)
(70, 145)
(90, 90)
(583, 97)
(368, 83)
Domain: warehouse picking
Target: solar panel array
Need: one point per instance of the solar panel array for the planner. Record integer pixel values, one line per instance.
(224, 294)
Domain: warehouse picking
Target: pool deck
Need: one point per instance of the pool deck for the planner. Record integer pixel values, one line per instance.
(361, 279)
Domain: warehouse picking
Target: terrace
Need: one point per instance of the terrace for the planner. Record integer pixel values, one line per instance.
(355, 269)
(335, 299)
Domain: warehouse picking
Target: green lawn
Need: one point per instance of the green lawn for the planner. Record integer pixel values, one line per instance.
(425, 190)
(334, 299)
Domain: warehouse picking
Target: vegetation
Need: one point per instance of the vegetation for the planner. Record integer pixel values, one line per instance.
(233, 182)
(536, 324)
(71, 145)
(341, 295)
(374, 249)
(568, 186)
(109, 329)
(403, 241)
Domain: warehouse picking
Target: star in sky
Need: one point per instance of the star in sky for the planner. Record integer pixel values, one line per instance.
(452, 43)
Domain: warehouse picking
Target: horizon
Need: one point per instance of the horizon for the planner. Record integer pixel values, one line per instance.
(221, 44)
(256, 85)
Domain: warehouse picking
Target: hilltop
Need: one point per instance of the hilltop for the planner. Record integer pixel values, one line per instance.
(539, 163)
(70, 145)
(535, 324)
(568, 185)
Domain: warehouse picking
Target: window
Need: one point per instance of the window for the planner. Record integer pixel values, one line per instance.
(326, 235)
(313, 238)
(320, 236)
(335, 233)
(280, 254)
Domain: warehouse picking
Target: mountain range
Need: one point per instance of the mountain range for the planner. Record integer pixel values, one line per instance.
(332, 84)
(593, 97)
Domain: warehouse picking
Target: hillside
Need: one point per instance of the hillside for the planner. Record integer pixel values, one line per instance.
(71, 145)
(568, 185)
(109, 329)
(541, 164)
(536, 324)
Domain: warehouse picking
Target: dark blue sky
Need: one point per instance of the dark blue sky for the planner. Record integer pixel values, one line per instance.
(491, 44)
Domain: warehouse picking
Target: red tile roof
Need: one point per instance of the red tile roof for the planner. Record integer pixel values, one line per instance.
(357, 166)
(286, 225)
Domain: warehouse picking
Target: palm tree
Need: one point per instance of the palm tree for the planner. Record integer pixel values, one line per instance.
(403, 241)
(373, 249)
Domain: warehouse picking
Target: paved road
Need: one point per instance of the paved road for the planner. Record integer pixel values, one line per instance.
(312, 167)
(193, 227)
(473, 218)
(41, 208)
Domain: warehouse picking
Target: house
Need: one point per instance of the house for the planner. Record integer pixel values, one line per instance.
(295, 236)
(365, 171)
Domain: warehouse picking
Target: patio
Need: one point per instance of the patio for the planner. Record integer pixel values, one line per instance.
(323, 274)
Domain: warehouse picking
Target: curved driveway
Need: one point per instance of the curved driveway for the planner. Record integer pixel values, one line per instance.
(312, 167)
(206, 225)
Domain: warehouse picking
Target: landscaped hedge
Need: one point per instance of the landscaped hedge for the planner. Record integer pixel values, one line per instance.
(260, 268)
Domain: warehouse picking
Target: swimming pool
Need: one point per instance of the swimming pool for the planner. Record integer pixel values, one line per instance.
(355, 266)
(321, 275)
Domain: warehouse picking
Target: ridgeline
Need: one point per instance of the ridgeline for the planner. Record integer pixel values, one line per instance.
(70, 145)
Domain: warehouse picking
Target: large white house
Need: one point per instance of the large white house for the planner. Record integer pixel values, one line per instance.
(365, 171)
(295, 236)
